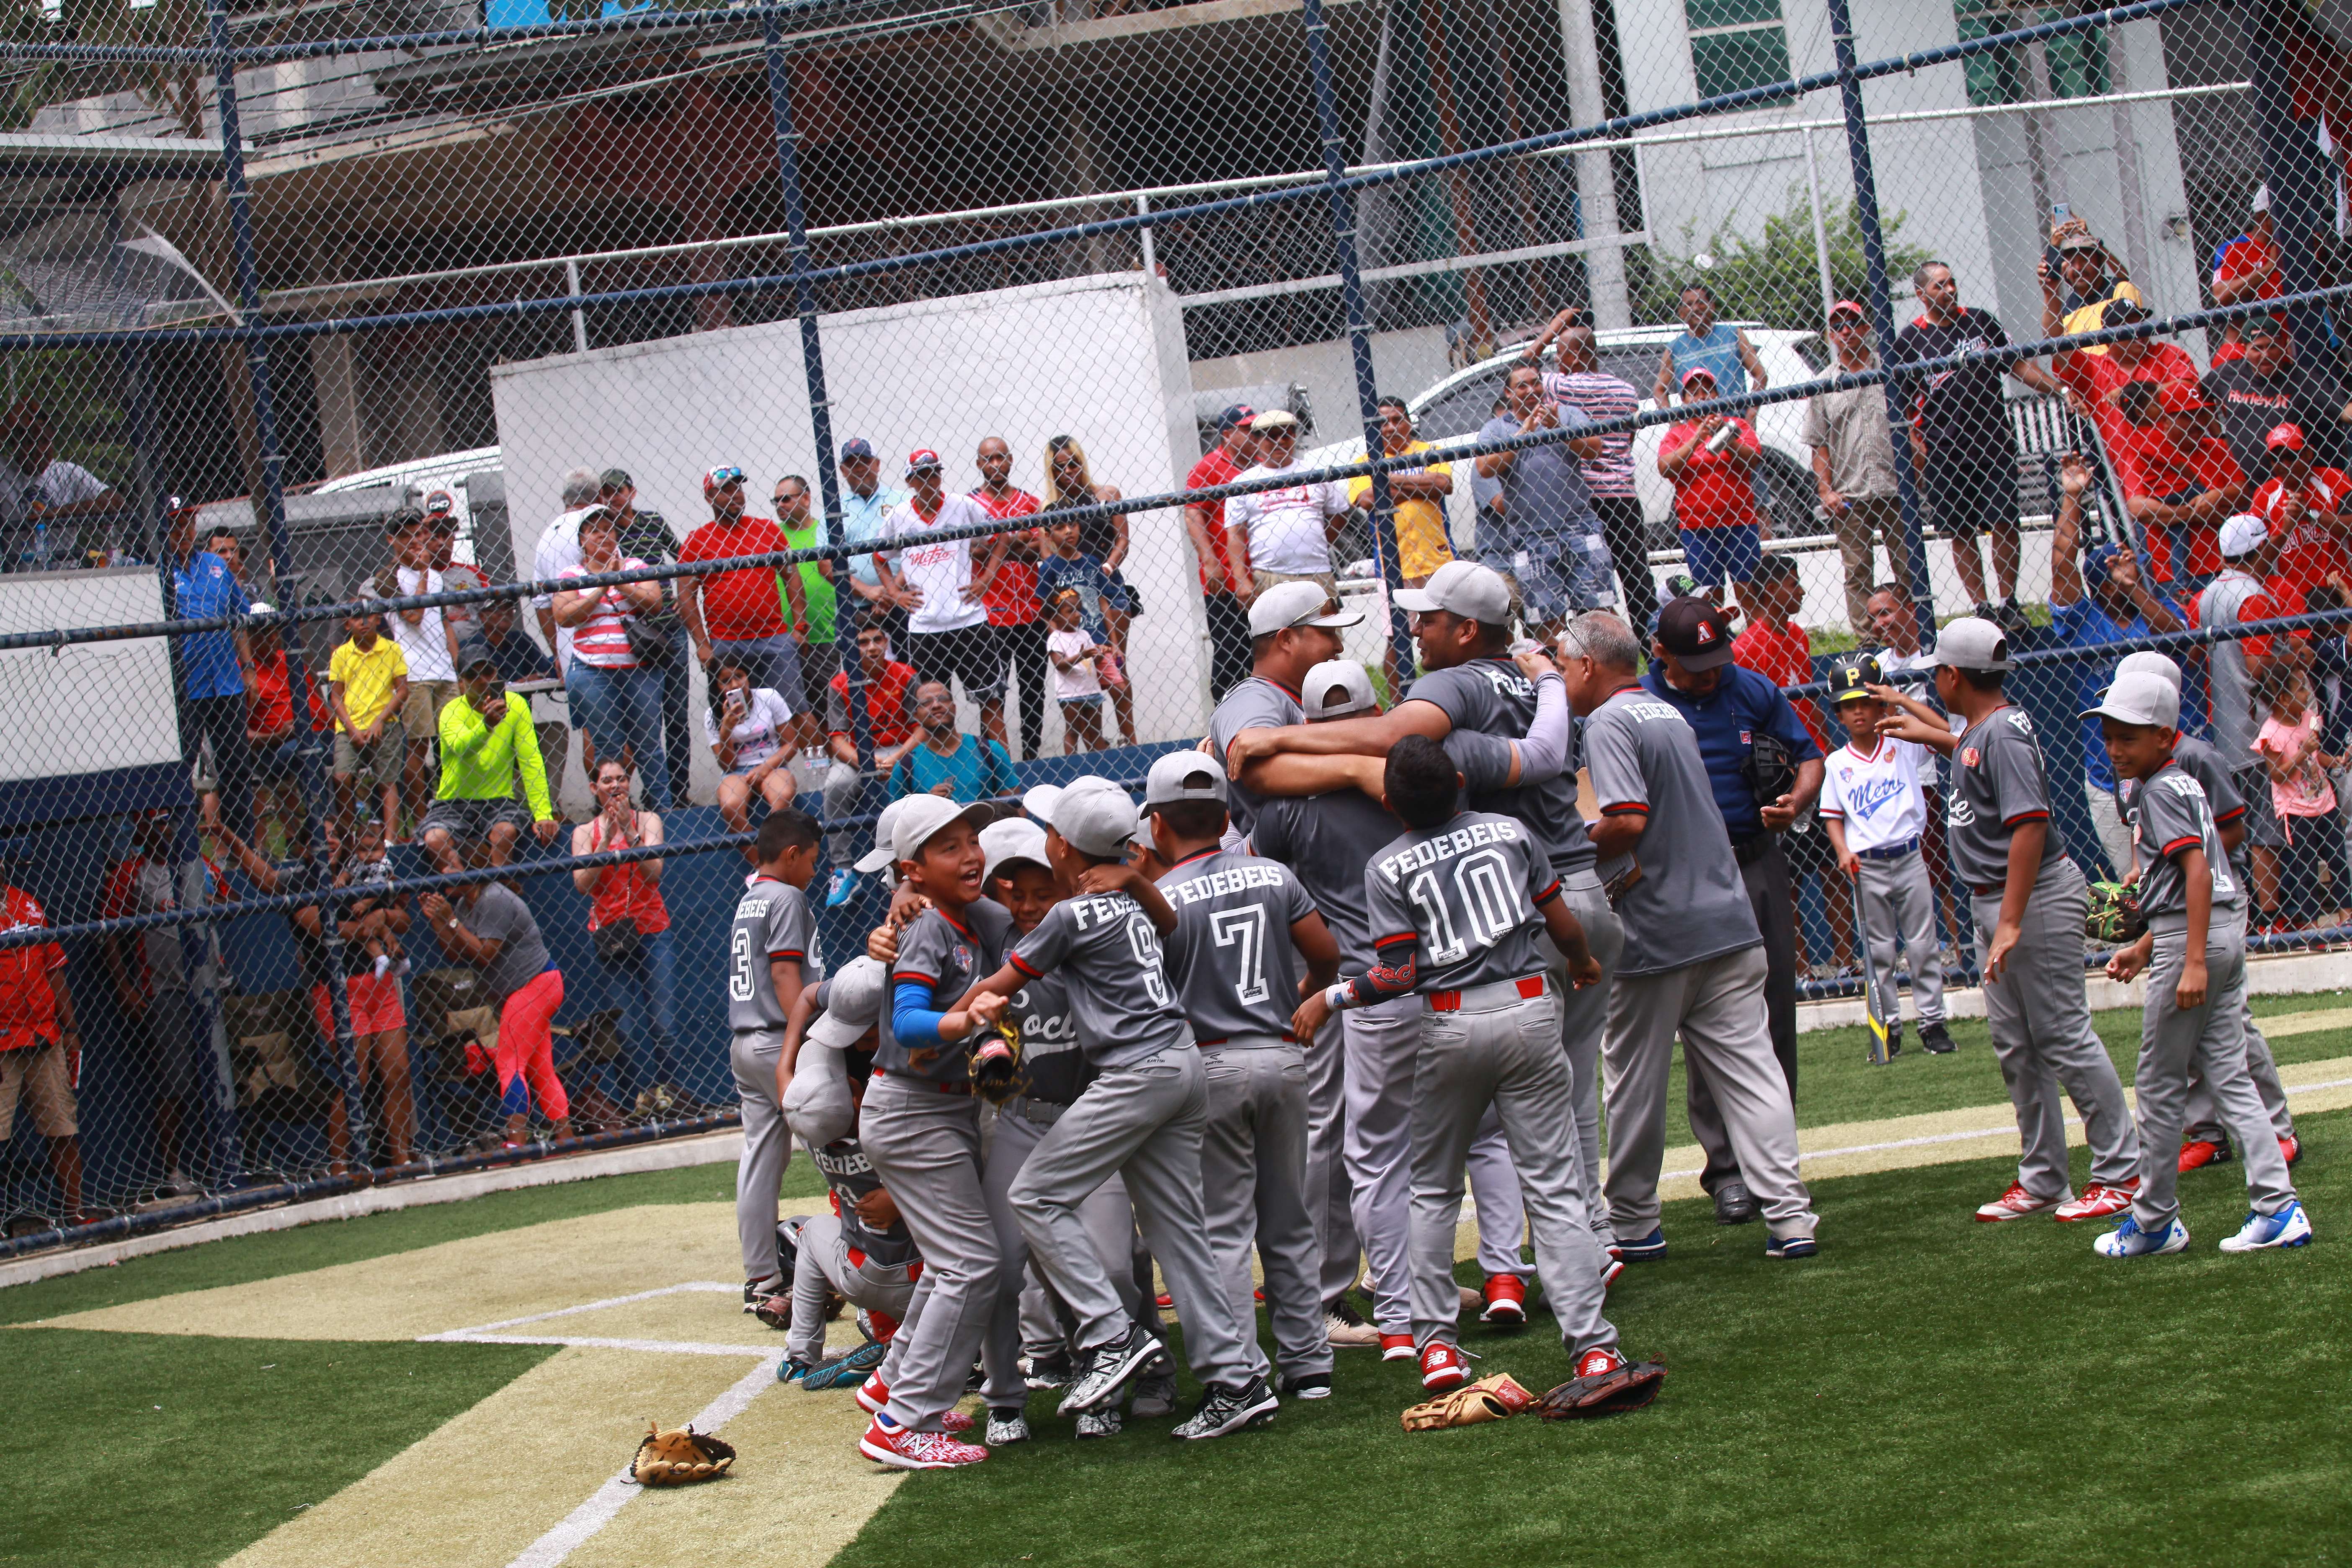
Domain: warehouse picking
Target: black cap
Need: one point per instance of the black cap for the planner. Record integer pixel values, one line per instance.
(472, 653)
(1695, 632)
(2123, 313)
(1855, 676)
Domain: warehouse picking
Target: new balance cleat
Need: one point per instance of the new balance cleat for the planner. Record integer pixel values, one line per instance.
(2015, 1203)
(1506, 1301)
(1307, 1385)
(2288, 1227)
(1615, 1267)
(1225, 1410)
(1396, 1347)
(1052, 1370)
(2196, 1153)
(849, 1367)
(2290, 1148)
(955, 1421)
(2099, 1201)
(2128, 1240)
(886, 1443)
(1443, 1368)
(1007, 1427)
(872, 1394)
(1155, 1391)
(1100, 1424)
(1107, 1368)
(1644, 1249)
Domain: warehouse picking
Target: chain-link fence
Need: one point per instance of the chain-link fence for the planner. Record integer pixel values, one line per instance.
(412, 410)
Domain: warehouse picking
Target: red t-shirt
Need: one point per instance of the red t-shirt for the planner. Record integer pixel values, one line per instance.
(271, 709)
(1217, 467)
(1011, 597)
(885, 703)
(2093, 376)
(2314, 549)
(738, 606)
(1710, 492)
(1781, 655)
(2160, 468)
(29, 1005)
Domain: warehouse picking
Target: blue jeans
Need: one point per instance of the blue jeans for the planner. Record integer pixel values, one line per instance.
(622, 708)
(649, 1010)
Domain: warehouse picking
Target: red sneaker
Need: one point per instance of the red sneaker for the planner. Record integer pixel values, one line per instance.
(1506, 1301)
(1164, 1302)
(955, 1421)
(2014, 1204)
(1608, 1275)
(885, 1327)
(1442, 1368)
(1595, 1362)
(2196, 1153)
(2290, 1147)
(2098, 1201)
(872, 1394)
(905, 1450)
(1396, 1347)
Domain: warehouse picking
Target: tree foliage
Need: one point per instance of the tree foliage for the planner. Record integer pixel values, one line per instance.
(1776, 278)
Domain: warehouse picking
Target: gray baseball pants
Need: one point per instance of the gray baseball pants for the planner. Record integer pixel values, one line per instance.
(2040, 1012)
(925, 1145)
(1494, 1188)
(1897, 899)
(1717, 1006)
(1583, 1020)
(1145, 1121)
(1253, 1180)
(2209, 1037)
(767, 1145)
(1501, 1049)
(1330, 1114)
(2203, 1118)
(1019, 1125)
(824, 1260)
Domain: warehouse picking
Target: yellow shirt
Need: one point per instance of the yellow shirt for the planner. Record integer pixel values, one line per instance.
(1419, 524)
(367, 676)
(2085, 318)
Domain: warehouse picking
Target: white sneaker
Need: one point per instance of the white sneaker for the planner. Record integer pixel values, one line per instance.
(1007, 1429)
(2288, 1227)
(2128, 1240)
(1099, 1424)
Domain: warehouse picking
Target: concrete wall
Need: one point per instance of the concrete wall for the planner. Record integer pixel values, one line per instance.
(117, 713)
(1404, 363)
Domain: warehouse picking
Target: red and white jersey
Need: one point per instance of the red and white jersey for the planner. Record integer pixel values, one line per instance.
(1875, 794)
(2313, 548)
(939, 569)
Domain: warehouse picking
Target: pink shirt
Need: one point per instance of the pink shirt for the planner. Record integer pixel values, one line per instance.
(2304, 792)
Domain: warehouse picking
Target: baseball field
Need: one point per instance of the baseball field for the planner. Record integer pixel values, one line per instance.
(462, 1386)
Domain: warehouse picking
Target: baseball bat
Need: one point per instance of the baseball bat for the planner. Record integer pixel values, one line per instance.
(1884, 1009)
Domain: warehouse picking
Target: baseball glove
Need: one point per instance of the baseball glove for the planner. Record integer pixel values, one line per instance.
(2115, 916)
(674, 1458)
(1469, 1405)
(1625, 1387)
(996, 1063)
(1508, 1389)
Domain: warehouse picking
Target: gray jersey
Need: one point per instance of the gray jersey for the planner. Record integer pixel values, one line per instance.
(1688, 904)
(1230, 957)
(1463, 897)
(1051, 1065)
(1998, 783)
(2230, 684)
(500, 916)
(945, 956)
(1326, 840)
(1108, 953)
(2175, 817)
(772, 922)
(849, 1176)
(2199, 762)
(1256, 703)
(1491, 697)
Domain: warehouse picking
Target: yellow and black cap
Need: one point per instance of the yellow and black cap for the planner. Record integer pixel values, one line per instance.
(1854, 677)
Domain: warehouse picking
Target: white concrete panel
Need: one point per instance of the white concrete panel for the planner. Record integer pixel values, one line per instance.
(122, 714)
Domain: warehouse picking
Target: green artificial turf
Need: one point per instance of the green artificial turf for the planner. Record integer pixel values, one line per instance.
(1926, 1390)
(127, 1450)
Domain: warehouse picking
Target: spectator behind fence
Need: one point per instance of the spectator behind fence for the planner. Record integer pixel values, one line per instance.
(2179, 480)
(940, 586)
(2096, 597)
(1547, 537)
(488, 748)
(1070, 482)
(750, 732)
(1223, 599)
(224, 543)
(2302, 803)
(2304, 507)
(737, 612)
(1962, 448)
(953, 766)
(1282, 535)
(628, 924)
(1077, 652)
(2246, 267)
(2268, 386)
(489, 927)
(40, 1048)
(1419, 494)
(616, 696)
(660, 637)
(379, 1022)
(53, 487)
(367, 688)
(2075, 292)
(216, 667)
(425, 641)
(510, 649)
(559, 546)
(2095, 384)
(440, 507)
(151, 980)
(1708, 461)
(269, 725)
(1854, 467)
(1581, 384)
(889, 688)
(1015, 612)
(820, 657)
(1066, 567)
(1705, 343)
(2234, 671)
(866, 504)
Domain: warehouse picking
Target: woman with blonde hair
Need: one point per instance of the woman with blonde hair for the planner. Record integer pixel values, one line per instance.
(1070, 482)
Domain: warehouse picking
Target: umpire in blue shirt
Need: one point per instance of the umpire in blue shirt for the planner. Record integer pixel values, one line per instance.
(1765, 770)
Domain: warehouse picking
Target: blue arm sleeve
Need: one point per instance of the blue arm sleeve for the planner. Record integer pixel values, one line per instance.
(912, 1020)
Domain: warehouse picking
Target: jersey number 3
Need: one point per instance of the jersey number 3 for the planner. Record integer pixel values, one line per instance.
(739, 965)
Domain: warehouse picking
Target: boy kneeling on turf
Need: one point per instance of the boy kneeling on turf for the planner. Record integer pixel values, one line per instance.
(1474, 893)
(2195, 954)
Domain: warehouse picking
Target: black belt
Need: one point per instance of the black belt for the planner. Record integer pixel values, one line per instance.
(1888, 852)
(1747, 851)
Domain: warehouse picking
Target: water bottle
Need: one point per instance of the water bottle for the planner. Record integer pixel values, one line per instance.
(40, 546)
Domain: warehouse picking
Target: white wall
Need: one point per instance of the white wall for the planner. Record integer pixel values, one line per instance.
(1098, 358)
(119, 712)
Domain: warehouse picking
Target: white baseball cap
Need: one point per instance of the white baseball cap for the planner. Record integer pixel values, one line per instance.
(2139, 699)
(922, 816)
(880, 858)
(1972, 642)
(2242, 535)
(1013, 840)
(1288, 604)
(1095, 815)
(1464, 588)
(853, 1000)
(1184, 775)
(1334, 675)
(2262, 203)
(2156, 664)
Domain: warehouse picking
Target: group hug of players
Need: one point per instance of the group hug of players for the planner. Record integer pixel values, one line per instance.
(1092, 1039)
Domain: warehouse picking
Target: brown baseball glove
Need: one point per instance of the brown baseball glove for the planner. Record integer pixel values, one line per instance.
(1628, 1386)
(996, 1063)
(1508, 1389)
(1469, 1405)
(674, 1458)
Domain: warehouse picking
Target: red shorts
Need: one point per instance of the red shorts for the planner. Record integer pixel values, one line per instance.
(374, 1003)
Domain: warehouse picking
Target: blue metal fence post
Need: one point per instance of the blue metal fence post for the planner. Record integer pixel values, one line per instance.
(1352, 295)
(1913, 545)
(281, 559)
(2294, 169)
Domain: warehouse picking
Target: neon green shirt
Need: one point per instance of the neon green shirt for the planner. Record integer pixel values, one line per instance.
(478, 762)
(819, 593)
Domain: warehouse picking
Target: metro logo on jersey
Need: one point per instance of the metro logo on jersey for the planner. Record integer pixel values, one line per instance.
(1866, 800)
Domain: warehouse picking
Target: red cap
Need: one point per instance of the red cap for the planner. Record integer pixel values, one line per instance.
(2180, 397)
(2284, 438)
(921, 457)
(1847, 307)
(1696, 371)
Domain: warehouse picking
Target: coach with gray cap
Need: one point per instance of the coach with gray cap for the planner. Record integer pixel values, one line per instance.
(1293, 626)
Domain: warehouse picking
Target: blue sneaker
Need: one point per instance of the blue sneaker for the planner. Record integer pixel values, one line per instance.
(789, 1371)
(2288, 1227)
(844, 1369)
(838, 891)
(1651, 1245)
(2127, 1240)
(1791, 1246)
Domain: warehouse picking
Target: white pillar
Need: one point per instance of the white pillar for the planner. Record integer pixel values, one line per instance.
(1596, 184)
